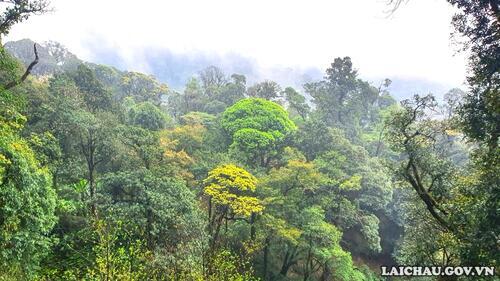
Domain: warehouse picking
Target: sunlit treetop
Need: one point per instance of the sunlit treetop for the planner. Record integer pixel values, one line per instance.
(258, 114)
(232, 177)
(232, 186)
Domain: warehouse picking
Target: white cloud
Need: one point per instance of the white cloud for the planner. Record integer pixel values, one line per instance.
(414, 42)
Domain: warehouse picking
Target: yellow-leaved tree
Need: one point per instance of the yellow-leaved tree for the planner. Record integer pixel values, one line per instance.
(230, 190)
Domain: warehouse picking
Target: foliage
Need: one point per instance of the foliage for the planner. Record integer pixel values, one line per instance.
(227, 185)
(258, 128)
(27, 204)
(27, 198)
(148, 116)
(268, 90)
(228, 266)
(345, 101)
(110, 175)
(142, 88)
(296, 103)
(19, 11)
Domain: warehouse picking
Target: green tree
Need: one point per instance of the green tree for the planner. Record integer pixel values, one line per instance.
(345, 101)
(258, 128)
(234, 90)
(332, 95)
(193, 97)
(287, 191)
(479, 21)
(162, 212)
(226, 265)
(320, 241)
(414, 133)
(268, 90)
(148, 116)
(18, 11)
(142, 88)
(95, 96)
(212, 79)
(296, 103)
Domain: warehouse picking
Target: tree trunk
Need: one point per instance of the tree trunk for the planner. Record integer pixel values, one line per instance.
(288, 261)
(93, 207)
(149, 227)
(252, 227)
(325, 276)
(266, 257)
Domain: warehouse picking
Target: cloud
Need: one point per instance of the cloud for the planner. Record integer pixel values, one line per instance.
(275, 38)
(176, 68)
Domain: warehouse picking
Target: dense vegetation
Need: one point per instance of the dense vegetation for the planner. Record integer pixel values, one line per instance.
(110, 175)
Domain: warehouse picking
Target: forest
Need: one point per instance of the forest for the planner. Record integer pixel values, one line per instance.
(108, 174)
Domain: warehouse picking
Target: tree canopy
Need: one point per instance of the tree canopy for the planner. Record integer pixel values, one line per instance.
(112, 175)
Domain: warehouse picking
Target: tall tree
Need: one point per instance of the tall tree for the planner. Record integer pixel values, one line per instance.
(229, 189)
(416, 134)
(268, 90)
(296, 102)
(258, 129)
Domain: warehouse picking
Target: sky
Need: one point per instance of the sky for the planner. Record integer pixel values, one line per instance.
(411, 44)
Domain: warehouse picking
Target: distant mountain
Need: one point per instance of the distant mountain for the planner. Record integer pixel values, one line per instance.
(176, 69)
(53, 57)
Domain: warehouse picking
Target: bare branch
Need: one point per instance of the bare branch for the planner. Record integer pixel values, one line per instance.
(394, 5)
(26, 73)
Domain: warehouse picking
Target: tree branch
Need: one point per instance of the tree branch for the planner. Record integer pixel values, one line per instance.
(431, 204)
(26, 73)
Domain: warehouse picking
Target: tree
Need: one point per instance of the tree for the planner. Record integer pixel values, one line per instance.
(95, 96)
(314, 137)
(142, 88)
(148, 116)
(322, 251)
(10, 68)
(332, 95)
(188, 138)
(297, 102)
(193, 98)
(229, 189)
(233, 91)
(114, 259)
(342, 100)
(91, 123)
(479, 22)
(415, 135)
(453, 100)
(268, 90)
(226, 265)
(18, 11)
(356, 193)
(258, 128)
(162, 212)
(287, 191)
(212, 79)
